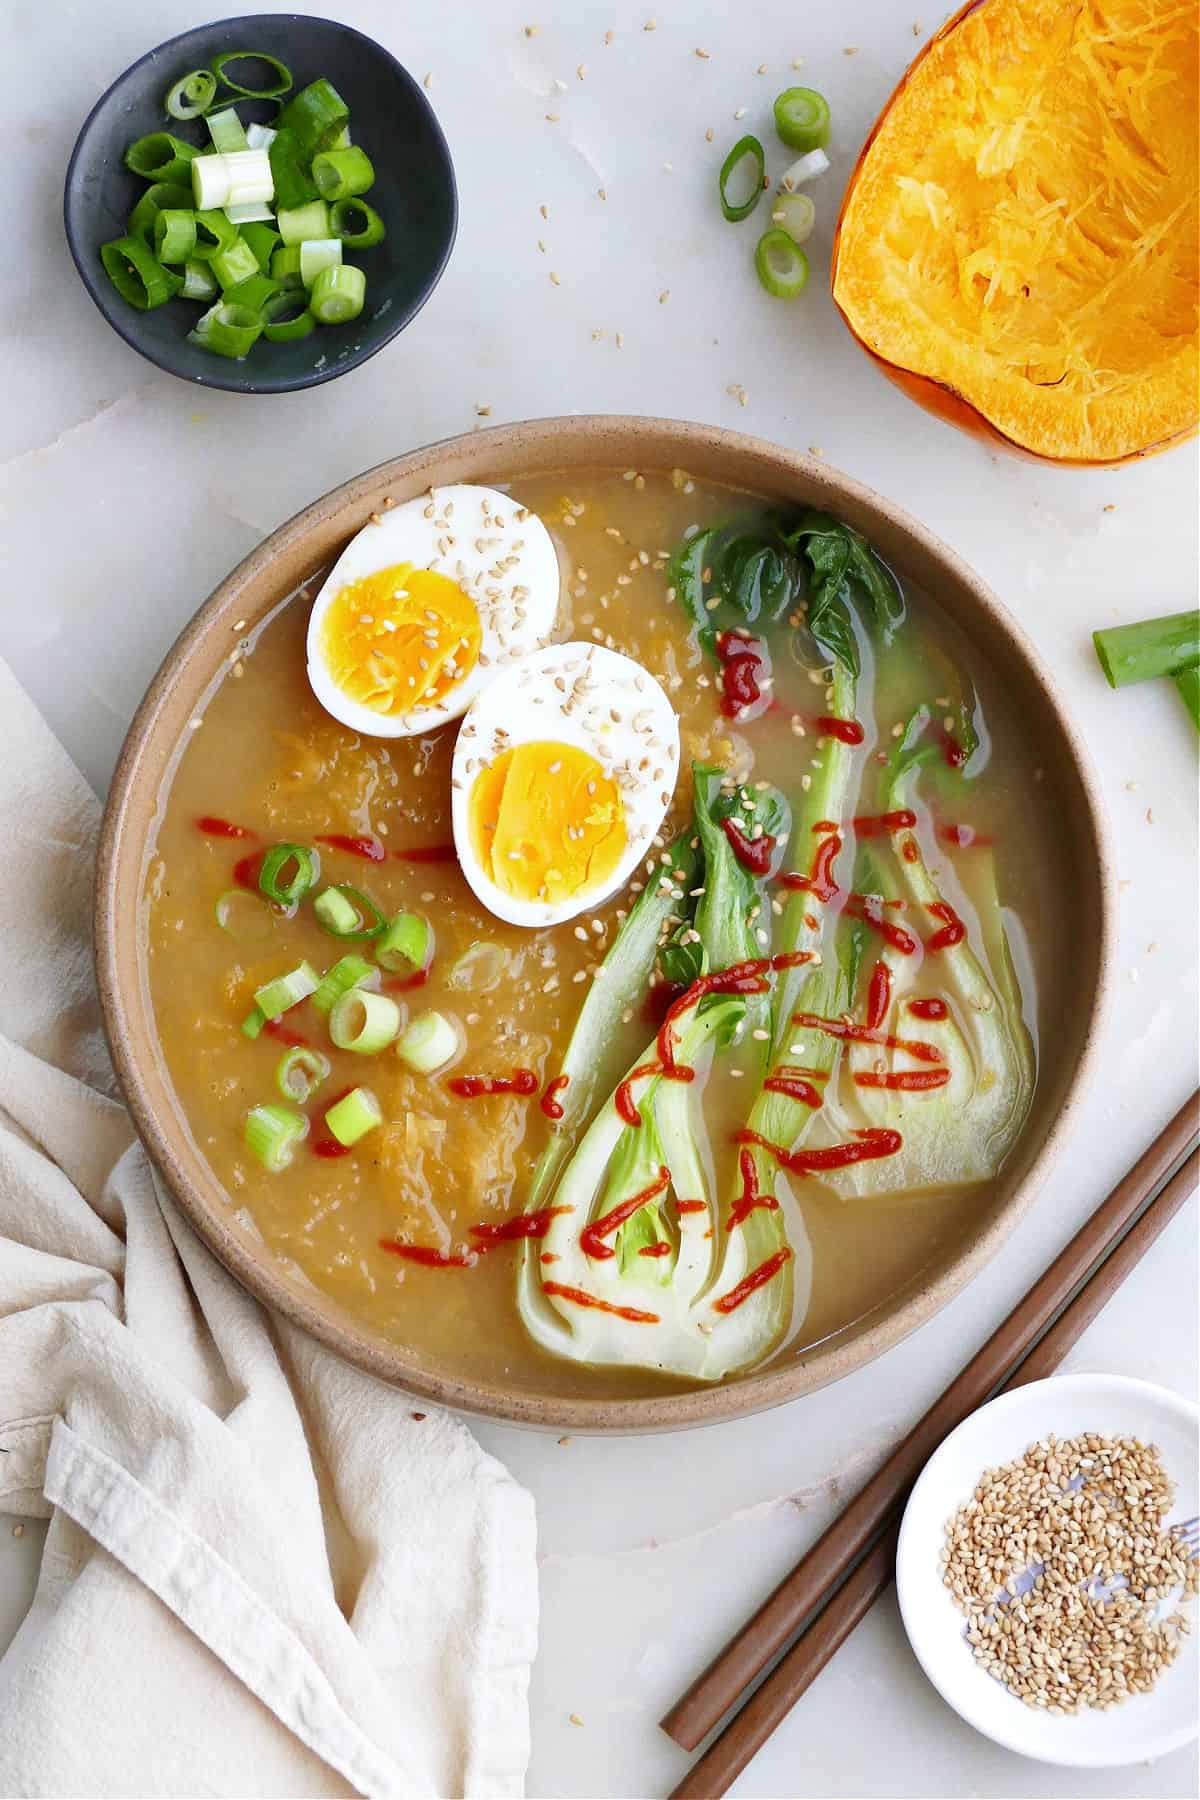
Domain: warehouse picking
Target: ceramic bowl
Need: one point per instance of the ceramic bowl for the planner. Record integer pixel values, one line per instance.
(1114, 1406)
(297, 551)
(414, 193)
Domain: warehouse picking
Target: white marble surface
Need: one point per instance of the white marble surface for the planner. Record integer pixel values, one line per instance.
(124, 496)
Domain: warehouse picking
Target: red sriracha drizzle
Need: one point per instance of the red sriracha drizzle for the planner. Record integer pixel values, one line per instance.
(743, 660)
(847, 731)
(523, 1225)
(428, 853)
(285, 1034)
(402, 984)
(879, 996)
(820, 884)
(581, 1299)
(928, 1009)
(871, 825)
(690, 1206)
(864, 1034)
(471, 1087)
(591, 1238)
(904, 1081)
(221, 828)
(953, 930)
(428, 1257)
(795, 1084)
(662, 1248)
(750, 1198)
(753, 853)
(749, 1283)
(370, 849)
(548, 1103)
(872, 1145)
(325, 1146)
(245, 872)
(869, 907)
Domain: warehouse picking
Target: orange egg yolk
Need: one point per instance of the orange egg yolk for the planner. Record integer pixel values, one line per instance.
(400, 639)
(547, 823)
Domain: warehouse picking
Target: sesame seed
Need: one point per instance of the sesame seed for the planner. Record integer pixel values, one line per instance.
(552, 118)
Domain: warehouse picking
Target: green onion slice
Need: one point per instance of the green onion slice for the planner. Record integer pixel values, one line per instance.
(174, 234)
(338, 294)
(294, 185)
(795, 214)
(285, 265)
(156, 199)
(226, 131)
(348, 972)
(272, 1133)
(254, 293)
(781, 264)
(192, 94)
(364, 1022)
(340, 174)
(211, 183)
(160, 156)
(286, 318)
(347, 913)
(288, 870)
(480, 968)
(235, 264)
(428, 1043)
(137, 275)
(213, 234)
(300, 1073)
(278, 82)
(252, 1024)
(262, 239)
(243, 914)
(316, 114)
(406, 944)
(747, 162)
(227, 330)
(352, 1117)
(276, 997)
(299, 223)
(199, 282)
(802, 118)
(357, 224)
(317, 254)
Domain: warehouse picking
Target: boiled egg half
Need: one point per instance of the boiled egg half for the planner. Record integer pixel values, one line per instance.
(428, 604)
(563, 770)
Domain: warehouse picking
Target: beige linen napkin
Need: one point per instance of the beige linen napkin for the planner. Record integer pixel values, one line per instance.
(263, 1575)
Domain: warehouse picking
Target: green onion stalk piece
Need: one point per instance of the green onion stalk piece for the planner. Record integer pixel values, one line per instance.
(802, 118)
(255, 294)
(1187, 681)
(226, 131)
(138, 276)
(406, 944)
(278, 82)
(316, 115)
(364, 1022)
(288, 870)
(276, 997)
(795, 214)
(350, 1118)
(199, 282)
(233, 265)
(272, 1133)
(262, 239)
(286, 317)
(781, 264)
(174, 235)
(745, 164)
(346, 912)
(161, 157)
(160, 197)
(1151, 647)
(214, 233)
(299, 223)
(348, 972)
(338, 294)
(285, 266)
(294, 185)
(191, 95)
(317, 254)
(480, 968)
(358, 225)
(227, 330)
(340, 174)
(300, 1072)
(428, 1043)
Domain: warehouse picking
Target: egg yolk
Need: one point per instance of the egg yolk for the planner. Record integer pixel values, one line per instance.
(546, 822)
(400, 639)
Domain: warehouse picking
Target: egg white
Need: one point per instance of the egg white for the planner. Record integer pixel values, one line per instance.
(465, 533)
(596, 700)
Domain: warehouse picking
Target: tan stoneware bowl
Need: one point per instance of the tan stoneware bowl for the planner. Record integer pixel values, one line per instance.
(308, 542)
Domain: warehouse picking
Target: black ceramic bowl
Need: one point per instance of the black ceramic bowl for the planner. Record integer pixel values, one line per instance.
(414, 193)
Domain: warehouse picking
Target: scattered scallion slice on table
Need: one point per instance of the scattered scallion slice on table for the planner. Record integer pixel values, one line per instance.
(340, 174)
(358, 225)
(795, 214)
(1187, 681)
(350, 1118)
(428, 1043)
(364, 1022)
(740, 182)
(300, 1072)
(280, 78)
(160, 156)
(136, 274)
(1148, 648)
(781, 264)
(272, 1133)
(802, 118)
(805, 168)
(192, 95)
(338, 294)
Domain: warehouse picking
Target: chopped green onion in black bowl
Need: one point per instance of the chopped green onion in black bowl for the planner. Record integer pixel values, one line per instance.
(354, 136)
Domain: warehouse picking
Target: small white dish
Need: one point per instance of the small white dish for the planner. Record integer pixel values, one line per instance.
(1115, 1406)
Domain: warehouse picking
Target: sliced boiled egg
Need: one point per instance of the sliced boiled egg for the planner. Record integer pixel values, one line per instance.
(426, 606)
(563, 770)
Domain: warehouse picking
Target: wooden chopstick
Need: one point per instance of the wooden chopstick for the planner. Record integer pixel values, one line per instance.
(770, 1704)
(835, 1553)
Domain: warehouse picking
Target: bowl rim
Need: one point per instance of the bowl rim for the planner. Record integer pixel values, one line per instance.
(228, 380)
(512, 447)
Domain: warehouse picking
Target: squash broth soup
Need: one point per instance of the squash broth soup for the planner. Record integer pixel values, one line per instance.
(616, 961)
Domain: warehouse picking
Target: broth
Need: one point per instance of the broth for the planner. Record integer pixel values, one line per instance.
(269, 764)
